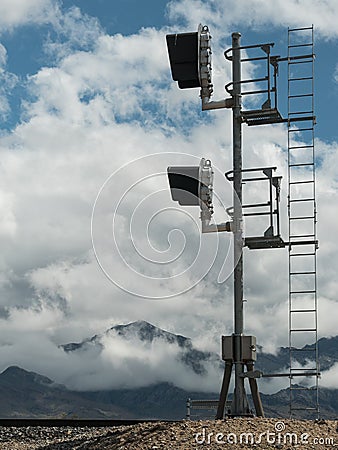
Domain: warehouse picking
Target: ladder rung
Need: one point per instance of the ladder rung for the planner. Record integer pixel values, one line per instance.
(303, 243)
(303, 330)
(310, 60)
(300, 29)
(300, 45)
(302, 235)
(298, 57)
(294, 130)
(312, 272)
(301, 182)
(298, 119)
(299, 112)
(300, 79)
(300, 95)
(302, 310)
(307, 291)
(300, 146)
(302, 254)
(302, 200)
(301, 164)
(301, 218)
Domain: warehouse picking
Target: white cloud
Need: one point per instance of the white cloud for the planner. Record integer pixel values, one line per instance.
(329, 377)
(3, 55)
(20, 12)
(258, 13)
(35, 349)
(8, 224)
(152, 362)
(8, 82)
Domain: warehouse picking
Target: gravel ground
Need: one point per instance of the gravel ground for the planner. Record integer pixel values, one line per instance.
(236, 434)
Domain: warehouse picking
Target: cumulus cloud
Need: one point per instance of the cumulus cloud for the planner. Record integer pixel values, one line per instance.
(15, 13)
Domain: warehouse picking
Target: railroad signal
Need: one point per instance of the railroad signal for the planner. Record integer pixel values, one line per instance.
(184, 184)
(190, 59)
(192, 185)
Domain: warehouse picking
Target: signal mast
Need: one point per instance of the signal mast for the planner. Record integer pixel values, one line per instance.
(190, 61)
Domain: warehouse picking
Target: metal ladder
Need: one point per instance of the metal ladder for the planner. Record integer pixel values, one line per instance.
(303, 244)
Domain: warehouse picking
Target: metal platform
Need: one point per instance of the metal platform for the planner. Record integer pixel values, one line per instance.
(262, 116)
(262, 242)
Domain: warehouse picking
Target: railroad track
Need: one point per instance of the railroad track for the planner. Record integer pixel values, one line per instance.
(98, 423)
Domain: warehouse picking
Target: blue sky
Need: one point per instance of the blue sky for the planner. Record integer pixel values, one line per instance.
(90, 121)
(26, 50)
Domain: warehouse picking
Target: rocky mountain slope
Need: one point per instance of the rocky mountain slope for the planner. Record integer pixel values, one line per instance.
(28, 394)
(146, 332)
(198, 360)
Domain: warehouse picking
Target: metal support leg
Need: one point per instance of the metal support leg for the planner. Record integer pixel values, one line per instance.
(224, 390)
(255, 392)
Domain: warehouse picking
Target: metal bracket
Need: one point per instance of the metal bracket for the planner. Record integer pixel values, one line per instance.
(208, 105)
(269, 112)
(229, 58)
(271, 237)
(213, 228)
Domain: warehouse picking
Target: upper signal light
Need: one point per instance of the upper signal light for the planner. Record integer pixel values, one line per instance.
(183, 55)
(190, 59)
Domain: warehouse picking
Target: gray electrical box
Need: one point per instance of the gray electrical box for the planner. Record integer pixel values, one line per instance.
(248, 348)
(227, 348)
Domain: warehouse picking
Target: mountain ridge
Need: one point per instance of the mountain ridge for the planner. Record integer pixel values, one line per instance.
(158, 401)
(29, 394)
(195, 358)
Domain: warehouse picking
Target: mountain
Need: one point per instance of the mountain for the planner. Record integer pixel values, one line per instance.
(198, 360)
(327, 349)
(148, 333)
(145, 331)
(28, 394)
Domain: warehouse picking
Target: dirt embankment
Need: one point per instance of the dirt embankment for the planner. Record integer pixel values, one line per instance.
(234, 434)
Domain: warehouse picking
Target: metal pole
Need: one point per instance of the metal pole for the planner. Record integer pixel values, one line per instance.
(239, 404)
